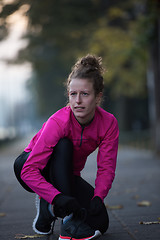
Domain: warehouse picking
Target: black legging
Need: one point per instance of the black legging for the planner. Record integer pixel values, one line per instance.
(59, 172)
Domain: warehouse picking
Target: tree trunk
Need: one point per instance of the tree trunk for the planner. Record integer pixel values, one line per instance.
(155, 66)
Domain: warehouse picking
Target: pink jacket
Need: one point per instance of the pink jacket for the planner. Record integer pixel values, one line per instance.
(101, 133)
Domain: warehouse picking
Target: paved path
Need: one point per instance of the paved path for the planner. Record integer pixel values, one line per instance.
(137, 179)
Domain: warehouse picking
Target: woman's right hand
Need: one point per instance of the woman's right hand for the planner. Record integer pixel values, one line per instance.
(65, 205)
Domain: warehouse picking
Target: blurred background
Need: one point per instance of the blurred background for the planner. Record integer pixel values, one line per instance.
(41, 40)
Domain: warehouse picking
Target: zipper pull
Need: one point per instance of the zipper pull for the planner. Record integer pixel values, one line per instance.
(81, 135)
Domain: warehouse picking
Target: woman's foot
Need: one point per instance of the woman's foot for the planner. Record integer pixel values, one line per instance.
(76, 229)
(44, 221)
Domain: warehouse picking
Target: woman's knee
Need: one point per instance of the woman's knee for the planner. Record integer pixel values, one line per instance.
(61, 158)
(64, 146)
(19, 162)
(18, 165)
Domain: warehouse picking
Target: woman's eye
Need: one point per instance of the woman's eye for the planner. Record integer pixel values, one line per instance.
(73, 94)
(85, 94)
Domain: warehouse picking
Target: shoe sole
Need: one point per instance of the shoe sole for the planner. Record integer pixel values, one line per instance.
(37, 203)
(97, 234)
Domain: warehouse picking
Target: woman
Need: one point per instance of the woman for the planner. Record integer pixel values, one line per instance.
(51, 164)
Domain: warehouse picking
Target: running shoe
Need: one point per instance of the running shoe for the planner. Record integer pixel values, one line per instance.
(76, 229)
(44, 221)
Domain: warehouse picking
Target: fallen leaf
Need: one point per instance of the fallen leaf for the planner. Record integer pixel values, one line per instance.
(130, 190)
(22, 236)
(149, 223)
(114, 207)
(2, 214)
(144, 204)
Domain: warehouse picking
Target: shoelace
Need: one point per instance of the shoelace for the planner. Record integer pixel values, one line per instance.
(82, 215)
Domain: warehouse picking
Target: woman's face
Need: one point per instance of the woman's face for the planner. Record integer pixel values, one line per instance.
(82, 99)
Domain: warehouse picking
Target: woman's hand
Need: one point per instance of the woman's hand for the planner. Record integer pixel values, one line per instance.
(64, 205)
(96, 206)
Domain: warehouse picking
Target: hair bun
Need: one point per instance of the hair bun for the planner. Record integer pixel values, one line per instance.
(93, 63)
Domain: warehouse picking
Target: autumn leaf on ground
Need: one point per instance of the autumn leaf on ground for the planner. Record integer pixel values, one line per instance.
(116, 207)
(149, 223)
(144, 204)
(22, 236)
(2, 214)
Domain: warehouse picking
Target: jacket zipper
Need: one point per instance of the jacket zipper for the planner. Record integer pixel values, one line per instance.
(81, 135)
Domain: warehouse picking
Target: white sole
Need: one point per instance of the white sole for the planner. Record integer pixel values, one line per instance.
(96, 235)
(37, 202)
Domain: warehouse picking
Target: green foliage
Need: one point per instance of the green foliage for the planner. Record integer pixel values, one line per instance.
(124, 58)
(60, 31)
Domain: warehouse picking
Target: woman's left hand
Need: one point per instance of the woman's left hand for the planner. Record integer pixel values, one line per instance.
(96, 206)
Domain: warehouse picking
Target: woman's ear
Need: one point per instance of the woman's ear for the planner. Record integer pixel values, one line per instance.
(99, 98)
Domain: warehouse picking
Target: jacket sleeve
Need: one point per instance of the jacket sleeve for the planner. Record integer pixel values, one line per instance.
(106, 161)
(38, 158)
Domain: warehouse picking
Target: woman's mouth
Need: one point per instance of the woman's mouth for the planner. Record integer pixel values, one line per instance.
(79, 108)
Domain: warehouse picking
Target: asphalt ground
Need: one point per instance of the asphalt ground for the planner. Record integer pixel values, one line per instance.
(133, 202)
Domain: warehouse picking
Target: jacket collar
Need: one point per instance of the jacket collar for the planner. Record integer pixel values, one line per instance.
(77, 123)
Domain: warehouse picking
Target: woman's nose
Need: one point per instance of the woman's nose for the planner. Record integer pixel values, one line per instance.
(78, 98)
